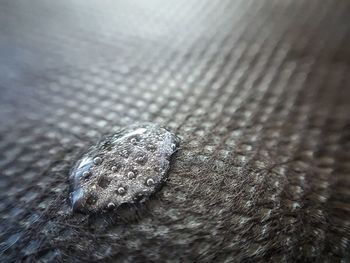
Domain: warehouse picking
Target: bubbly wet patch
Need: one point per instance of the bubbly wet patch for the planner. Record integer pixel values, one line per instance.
(126, 167)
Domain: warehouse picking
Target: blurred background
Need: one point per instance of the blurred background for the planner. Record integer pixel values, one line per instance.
(257, 89)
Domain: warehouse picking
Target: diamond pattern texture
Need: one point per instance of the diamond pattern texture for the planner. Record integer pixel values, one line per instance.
(258, 90)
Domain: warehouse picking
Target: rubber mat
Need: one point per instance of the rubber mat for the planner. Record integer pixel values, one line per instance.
(258, 91)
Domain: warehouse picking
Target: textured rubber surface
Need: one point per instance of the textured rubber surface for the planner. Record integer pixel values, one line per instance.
(257, 89)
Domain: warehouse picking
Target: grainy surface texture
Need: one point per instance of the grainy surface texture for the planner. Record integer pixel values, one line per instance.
(258, 90)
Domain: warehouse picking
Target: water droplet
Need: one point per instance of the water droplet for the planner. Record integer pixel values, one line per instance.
(107, 177)
(150, 182)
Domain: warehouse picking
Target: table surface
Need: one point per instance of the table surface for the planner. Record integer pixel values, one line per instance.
(258, 90)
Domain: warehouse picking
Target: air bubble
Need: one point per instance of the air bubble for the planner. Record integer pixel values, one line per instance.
(110, 206)
(121, 190)
(86, 174)
(150, 182)
(141, 159)
(115, 168)
(133, 140)
(110, 181)
(97, 160)
(151, 147)
(131, 175)
(158, 169)
(125, 153)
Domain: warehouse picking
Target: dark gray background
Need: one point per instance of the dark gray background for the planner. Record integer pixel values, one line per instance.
(258, 90)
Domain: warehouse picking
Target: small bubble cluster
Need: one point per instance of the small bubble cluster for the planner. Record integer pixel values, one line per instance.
(126, 167)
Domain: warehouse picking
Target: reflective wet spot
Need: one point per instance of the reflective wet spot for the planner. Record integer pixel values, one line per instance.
(10, 242)
(125, 167)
